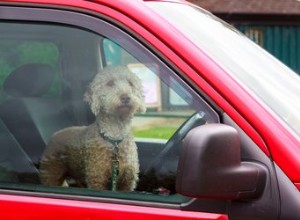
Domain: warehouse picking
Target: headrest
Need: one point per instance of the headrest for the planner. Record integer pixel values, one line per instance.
(29, 80)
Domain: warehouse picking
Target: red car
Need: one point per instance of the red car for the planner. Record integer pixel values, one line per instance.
(221, 135)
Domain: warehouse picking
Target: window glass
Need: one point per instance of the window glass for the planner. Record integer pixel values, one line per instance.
(15, 53)
(262, 74)
(90, 113)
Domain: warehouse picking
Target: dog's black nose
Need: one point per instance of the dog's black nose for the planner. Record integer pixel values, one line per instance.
(125, 99)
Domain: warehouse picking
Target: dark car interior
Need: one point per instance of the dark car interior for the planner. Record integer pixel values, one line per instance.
(29, 119)
(30, 114)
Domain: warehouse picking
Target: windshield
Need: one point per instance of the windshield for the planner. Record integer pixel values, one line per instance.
(260, 72)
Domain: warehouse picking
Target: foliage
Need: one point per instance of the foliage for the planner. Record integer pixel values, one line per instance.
(14, 53)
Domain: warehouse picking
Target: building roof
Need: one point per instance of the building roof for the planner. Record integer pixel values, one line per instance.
(278, 7)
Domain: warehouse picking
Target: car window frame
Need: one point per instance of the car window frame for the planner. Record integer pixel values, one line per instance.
(97, 25)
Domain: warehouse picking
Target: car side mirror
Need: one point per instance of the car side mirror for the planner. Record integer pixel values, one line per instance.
(210, 166)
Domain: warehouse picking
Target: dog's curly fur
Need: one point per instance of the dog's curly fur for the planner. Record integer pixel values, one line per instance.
(81, 153)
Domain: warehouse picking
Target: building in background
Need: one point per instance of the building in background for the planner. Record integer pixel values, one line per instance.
(273, 24)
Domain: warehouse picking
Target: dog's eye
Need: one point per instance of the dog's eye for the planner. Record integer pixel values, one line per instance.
(110, 83)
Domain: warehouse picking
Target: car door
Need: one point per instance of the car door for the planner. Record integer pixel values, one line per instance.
(48, 59)
(50, 54)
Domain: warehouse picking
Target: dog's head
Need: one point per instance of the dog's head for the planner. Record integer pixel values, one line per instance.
(116, 90)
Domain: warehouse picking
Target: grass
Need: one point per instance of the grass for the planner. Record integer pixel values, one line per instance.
(161, 132)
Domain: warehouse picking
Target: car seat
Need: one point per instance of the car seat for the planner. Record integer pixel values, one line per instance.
(15, 165)
(29, 115)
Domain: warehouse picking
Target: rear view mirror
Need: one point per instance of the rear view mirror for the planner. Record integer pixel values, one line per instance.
(210, 166)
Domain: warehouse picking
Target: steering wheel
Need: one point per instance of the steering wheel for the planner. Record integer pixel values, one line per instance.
(161, 172)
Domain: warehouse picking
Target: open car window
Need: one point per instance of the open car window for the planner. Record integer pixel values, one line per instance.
(75, 100)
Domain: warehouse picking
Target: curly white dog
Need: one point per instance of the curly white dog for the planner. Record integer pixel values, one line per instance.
(102, 155)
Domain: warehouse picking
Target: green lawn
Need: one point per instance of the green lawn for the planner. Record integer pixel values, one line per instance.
(162, 132)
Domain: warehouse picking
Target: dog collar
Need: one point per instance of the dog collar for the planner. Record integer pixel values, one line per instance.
(113, 141)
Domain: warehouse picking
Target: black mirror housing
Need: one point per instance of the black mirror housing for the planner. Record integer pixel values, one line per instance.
(210, 166)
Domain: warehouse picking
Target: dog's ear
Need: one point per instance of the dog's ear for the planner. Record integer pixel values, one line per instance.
(93, 101)
(140, 94)
(142, 107)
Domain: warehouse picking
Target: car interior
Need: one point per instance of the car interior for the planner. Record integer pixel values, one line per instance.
(29, 118)
(30, 114)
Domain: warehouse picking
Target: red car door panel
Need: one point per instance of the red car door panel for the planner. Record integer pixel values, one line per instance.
(24, 207)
